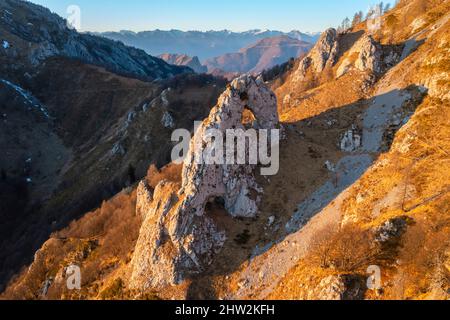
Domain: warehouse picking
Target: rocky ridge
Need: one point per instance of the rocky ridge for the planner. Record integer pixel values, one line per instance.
(365, 55)
(36, 34)
(322, 54)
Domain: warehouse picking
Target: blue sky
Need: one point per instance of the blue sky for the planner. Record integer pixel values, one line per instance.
(236, 15)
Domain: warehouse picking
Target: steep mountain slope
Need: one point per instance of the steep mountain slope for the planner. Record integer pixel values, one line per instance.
(363, 182)
(34, 34)
(73, 131)
(393, 213)
(204, 45)
(95, 151)
(260, 56)
(184, 60)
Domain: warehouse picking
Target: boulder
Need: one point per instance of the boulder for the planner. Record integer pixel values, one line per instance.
(350, 141)
(391, 230)
(370, 53)
(167, 121)
(340, 287)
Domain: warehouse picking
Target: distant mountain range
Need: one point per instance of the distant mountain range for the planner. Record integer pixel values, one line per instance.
(255, 58)
(204, 45)
(184, 60)
(260, 56)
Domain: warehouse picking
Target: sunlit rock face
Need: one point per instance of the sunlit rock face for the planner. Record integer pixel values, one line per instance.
(368, 57)
(323, 54)
(177, 237)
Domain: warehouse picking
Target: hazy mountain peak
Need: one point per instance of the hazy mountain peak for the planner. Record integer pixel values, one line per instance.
(261, 55)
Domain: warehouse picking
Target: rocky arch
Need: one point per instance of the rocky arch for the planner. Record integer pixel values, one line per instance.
(191, 237)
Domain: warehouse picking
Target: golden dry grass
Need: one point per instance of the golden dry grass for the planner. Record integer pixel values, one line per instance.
(100, 243)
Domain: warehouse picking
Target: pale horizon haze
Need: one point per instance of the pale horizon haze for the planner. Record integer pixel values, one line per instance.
(202, 15)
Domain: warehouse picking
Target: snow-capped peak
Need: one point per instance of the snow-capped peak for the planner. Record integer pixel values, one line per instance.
(261, 31)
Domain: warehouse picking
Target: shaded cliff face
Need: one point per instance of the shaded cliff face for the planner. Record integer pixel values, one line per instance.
(34, 34)
(260, 56)
(184, 60)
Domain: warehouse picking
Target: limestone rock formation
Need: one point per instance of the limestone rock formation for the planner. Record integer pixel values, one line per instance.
(391, 230)
(344, 287)
(369, 57)
(172, 243)
(234, 182)
(144, 199)
(369, 54)
(177, 237)
(323, 54)
(351, 140)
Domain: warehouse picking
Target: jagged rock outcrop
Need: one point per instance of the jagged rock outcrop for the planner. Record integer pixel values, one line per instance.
(369, 54)
(369, 57)
(172, 243)
(144, 198)
(341, 287)
(351, 140)
(391, 230)
(323, 54)
(178, 238)
(234, 182)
